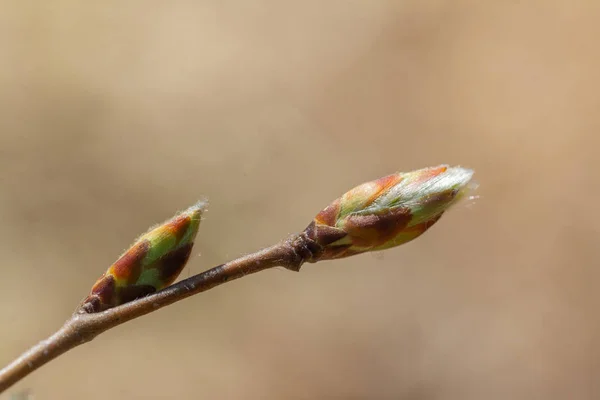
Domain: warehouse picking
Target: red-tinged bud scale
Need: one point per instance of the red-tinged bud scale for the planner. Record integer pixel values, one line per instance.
(153, 262)
(387, 212)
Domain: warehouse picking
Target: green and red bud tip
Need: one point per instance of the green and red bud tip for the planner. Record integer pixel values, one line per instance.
(388, 211)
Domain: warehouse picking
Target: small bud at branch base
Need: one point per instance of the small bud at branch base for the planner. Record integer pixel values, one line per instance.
(153, 262)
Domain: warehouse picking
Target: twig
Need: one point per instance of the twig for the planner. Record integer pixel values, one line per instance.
(82, 328)
(374, 216)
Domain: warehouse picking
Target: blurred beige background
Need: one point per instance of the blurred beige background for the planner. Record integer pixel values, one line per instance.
(113, 115)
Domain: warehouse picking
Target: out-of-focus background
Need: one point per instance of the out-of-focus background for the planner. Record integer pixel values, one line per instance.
(113, 115)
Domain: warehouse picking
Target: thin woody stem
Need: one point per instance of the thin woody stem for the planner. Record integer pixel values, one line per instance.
(83, 327)
(408, 204)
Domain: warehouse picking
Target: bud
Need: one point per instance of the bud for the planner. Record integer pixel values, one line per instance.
(153, 262)
(387, 212)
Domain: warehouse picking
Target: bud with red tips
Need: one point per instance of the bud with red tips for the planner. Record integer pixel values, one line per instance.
(153, 262)
(386, 212)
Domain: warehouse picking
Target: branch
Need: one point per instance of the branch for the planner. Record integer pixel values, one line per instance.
(373, 216)
(83, 327)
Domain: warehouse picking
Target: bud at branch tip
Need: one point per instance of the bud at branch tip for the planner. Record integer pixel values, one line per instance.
(388, 211)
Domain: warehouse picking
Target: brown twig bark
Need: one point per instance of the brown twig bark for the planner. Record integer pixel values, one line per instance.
(376, 215)
(83, 327)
